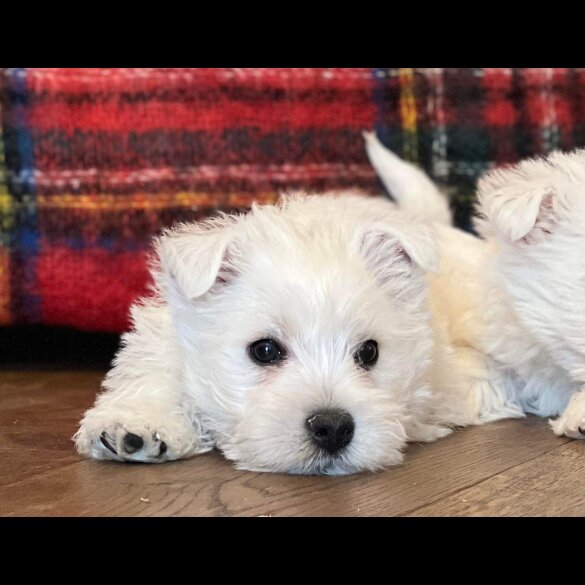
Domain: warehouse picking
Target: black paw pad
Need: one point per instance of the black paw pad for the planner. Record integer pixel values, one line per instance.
(133, 443)
(107, 441)
(163, 449)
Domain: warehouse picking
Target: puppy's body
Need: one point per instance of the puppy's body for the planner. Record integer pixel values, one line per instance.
(533, 218)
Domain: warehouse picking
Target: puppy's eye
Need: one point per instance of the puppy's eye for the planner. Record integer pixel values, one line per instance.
(367, 354)
(266, 351)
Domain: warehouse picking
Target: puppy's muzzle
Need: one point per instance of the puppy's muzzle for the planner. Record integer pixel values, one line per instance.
(330, 430)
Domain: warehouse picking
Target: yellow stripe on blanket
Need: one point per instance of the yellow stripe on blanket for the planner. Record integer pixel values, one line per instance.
(154, 201)
(408, 114)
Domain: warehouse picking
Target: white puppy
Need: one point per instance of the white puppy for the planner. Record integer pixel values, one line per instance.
(308, 337)
(533, 217)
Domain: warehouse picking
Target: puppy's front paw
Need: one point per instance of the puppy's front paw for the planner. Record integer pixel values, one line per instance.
(123, 445)
(572, 422)
(134, 439)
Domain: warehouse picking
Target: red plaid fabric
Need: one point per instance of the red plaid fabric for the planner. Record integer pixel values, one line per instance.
(94, 162)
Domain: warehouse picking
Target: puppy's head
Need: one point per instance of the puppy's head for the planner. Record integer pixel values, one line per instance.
(305, 330)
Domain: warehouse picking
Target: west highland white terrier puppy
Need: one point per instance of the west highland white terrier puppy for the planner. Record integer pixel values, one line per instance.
(533, 218)
(315, 336)
(320, 335)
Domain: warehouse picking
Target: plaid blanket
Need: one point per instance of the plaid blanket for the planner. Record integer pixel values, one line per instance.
(94, 162)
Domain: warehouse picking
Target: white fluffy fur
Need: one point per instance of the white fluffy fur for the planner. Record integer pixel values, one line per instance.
(451, 315)
(533, 217)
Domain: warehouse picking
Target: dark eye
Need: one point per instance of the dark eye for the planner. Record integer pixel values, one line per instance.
(367, 354)
(266, 351)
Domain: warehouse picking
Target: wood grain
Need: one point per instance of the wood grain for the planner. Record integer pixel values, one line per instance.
(552, 484)
(504, 468)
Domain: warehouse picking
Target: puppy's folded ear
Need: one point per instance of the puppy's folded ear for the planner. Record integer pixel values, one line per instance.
(518, 203)
(397, 251)
(195, 257)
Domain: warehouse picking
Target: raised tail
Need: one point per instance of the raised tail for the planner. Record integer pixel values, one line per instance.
(411, 188)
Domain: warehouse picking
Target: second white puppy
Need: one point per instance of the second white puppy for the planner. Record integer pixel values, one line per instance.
(533, 216)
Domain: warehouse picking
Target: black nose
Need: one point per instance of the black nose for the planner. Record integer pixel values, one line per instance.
(331, 430)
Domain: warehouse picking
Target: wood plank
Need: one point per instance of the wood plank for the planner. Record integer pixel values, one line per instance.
(552, 484)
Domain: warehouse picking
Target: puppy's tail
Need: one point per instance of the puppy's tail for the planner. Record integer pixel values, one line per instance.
(411, 188)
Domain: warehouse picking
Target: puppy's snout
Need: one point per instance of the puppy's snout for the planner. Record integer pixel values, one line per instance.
(331, 430)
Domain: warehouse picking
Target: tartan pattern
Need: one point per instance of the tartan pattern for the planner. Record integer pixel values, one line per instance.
(94, 162)
(6, 222)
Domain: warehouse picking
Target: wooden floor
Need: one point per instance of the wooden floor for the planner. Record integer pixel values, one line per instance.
(514, 468)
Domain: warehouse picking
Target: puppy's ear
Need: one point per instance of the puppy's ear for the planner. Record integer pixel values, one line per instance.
(393, 251)
(519, 202)
(196, 257)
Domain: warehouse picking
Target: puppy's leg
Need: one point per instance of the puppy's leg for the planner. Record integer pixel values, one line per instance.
(572, 422)
(143, 414)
